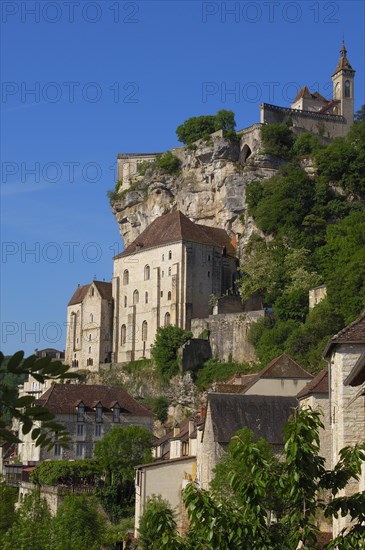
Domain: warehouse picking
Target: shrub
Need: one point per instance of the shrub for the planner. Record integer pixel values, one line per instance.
(168, 163)
(160, 406)
(216, 371)
(200, 127)
(277, 140)
(164, 351)
(305, 144)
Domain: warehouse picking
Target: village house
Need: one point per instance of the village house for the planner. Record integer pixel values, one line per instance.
(88, 412)
(344, 353)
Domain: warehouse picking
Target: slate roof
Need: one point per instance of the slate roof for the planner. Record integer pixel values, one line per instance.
(264, 415)
(319, 385)
(104, 288)
(175, 227)
(354, 333)
(64, 398)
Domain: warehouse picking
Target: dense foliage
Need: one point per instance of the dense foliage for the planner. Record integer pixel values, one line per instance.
(165, 349)
(277, 140)
(168, 163)
(270, 502)
(8, 498)
(158, 512)
(201, 127)
(64, 472)
(315, 234)
(216, 371)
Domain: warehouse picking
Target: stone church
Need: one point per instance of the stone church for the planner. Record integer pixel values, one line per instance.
(165, 276)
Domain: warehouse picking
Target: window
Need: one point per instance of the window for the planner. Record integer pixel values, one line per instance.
(146, 297)
(92, 291)
(162, 274)
(169, 295)
(80, 449)
(169, 271)
(170, 255)
(208, 257)
(91, 317)
(144, 331)
(135, 297)
(125, 301)
(347, 88)
(89, 349)
(116, 414)
(123, 334)
(163, 257)
(80, 413)
(161, 293)
(208, 274)
(98, 430)
(146, 272)
(57, 449)
(126, 277)
(167, 319)
(80, 429)
(99, 413)
(89, 337)
(90, 362)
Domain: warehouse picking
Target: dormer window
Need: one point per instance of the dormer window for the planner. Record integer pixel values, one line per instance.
(116, 414)
(99, 413)
(80, 410)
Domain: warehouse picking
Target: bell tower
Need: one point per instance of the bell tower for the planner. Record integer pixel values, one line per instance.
(343, 87)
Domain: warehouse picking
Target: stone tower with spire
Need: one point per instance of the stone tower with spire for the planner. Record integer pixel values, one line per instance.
(343, 87)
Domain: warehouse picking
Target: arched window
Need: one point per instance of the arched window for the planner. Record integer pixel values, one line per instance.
(146, 272)
(135, 297)
(169, 295)
(347, 88)
(91, 317)
(125, 301)
(167, 319)
(123, 334)
(170, 255)
(126, 277)
(89, 349)
(146, 297)
(169, 271)
(92, 291)
(144, 331)
(89, 337)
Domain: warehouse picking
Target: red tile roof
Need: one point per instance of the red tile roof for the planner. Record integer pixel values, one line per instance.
(105, 290)
(354, 333)
(319, 384)
(175, 227)
(63, 399)
(304, 92)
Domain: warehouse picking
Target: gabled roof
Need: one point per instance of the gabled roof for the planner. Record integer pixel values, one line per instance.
(304, 92)
(354, 333)
(64, 398)
(265, 415)
(105, 290)
(319, 385)
(175, 227)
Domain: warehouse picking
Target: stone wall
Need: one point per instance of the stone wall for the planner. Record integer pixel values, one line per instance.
(229, 334)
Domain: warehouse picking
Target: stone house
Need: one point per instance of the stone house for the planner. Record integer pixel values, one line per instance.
(312, 112)
(88, 412)
(166, 276)
(90, 326)
(344, 353)
(265, 415)
(316, 395)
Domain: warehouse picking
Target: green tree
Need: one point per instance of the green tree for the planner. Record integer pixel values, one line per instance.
(32, 526)
(168, 163)
(160, 407)
(272, 512)
(277, 140)
(22, 408)
(78, 525)
(305, 144)
(158, 512)
(164, 351)
(201, 127)
(360, 114)
(8, 498)
(120, 450)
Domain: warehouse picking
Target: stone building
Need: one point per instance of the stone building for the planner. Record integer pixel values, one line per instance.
(311, 112)
(88, 412)
(127, 166)
(90, 326)
(166, 276)
(347, 409)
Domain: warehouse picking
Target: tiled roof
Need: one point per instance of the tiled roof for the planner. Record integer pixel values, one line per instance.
(175, 227)
(64, 398)
(284, 367)
(354, 333)
(343, 62)
(104, 288)
(304, 92)
(265, 415)
(319, 384)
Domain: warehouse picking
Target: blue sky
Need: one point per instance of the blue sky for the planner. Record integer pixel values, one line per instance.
(83, 81)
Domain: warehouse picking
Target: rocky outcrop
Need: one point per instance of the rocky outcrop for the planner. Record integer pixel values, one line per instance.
(210, 189)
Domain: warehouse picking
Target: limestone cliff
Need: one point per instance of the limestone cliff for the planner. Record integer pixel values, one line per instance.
(210, 189)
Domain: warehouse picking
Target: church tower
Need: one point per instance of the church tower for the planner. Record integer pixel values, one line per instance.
(343, 87)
